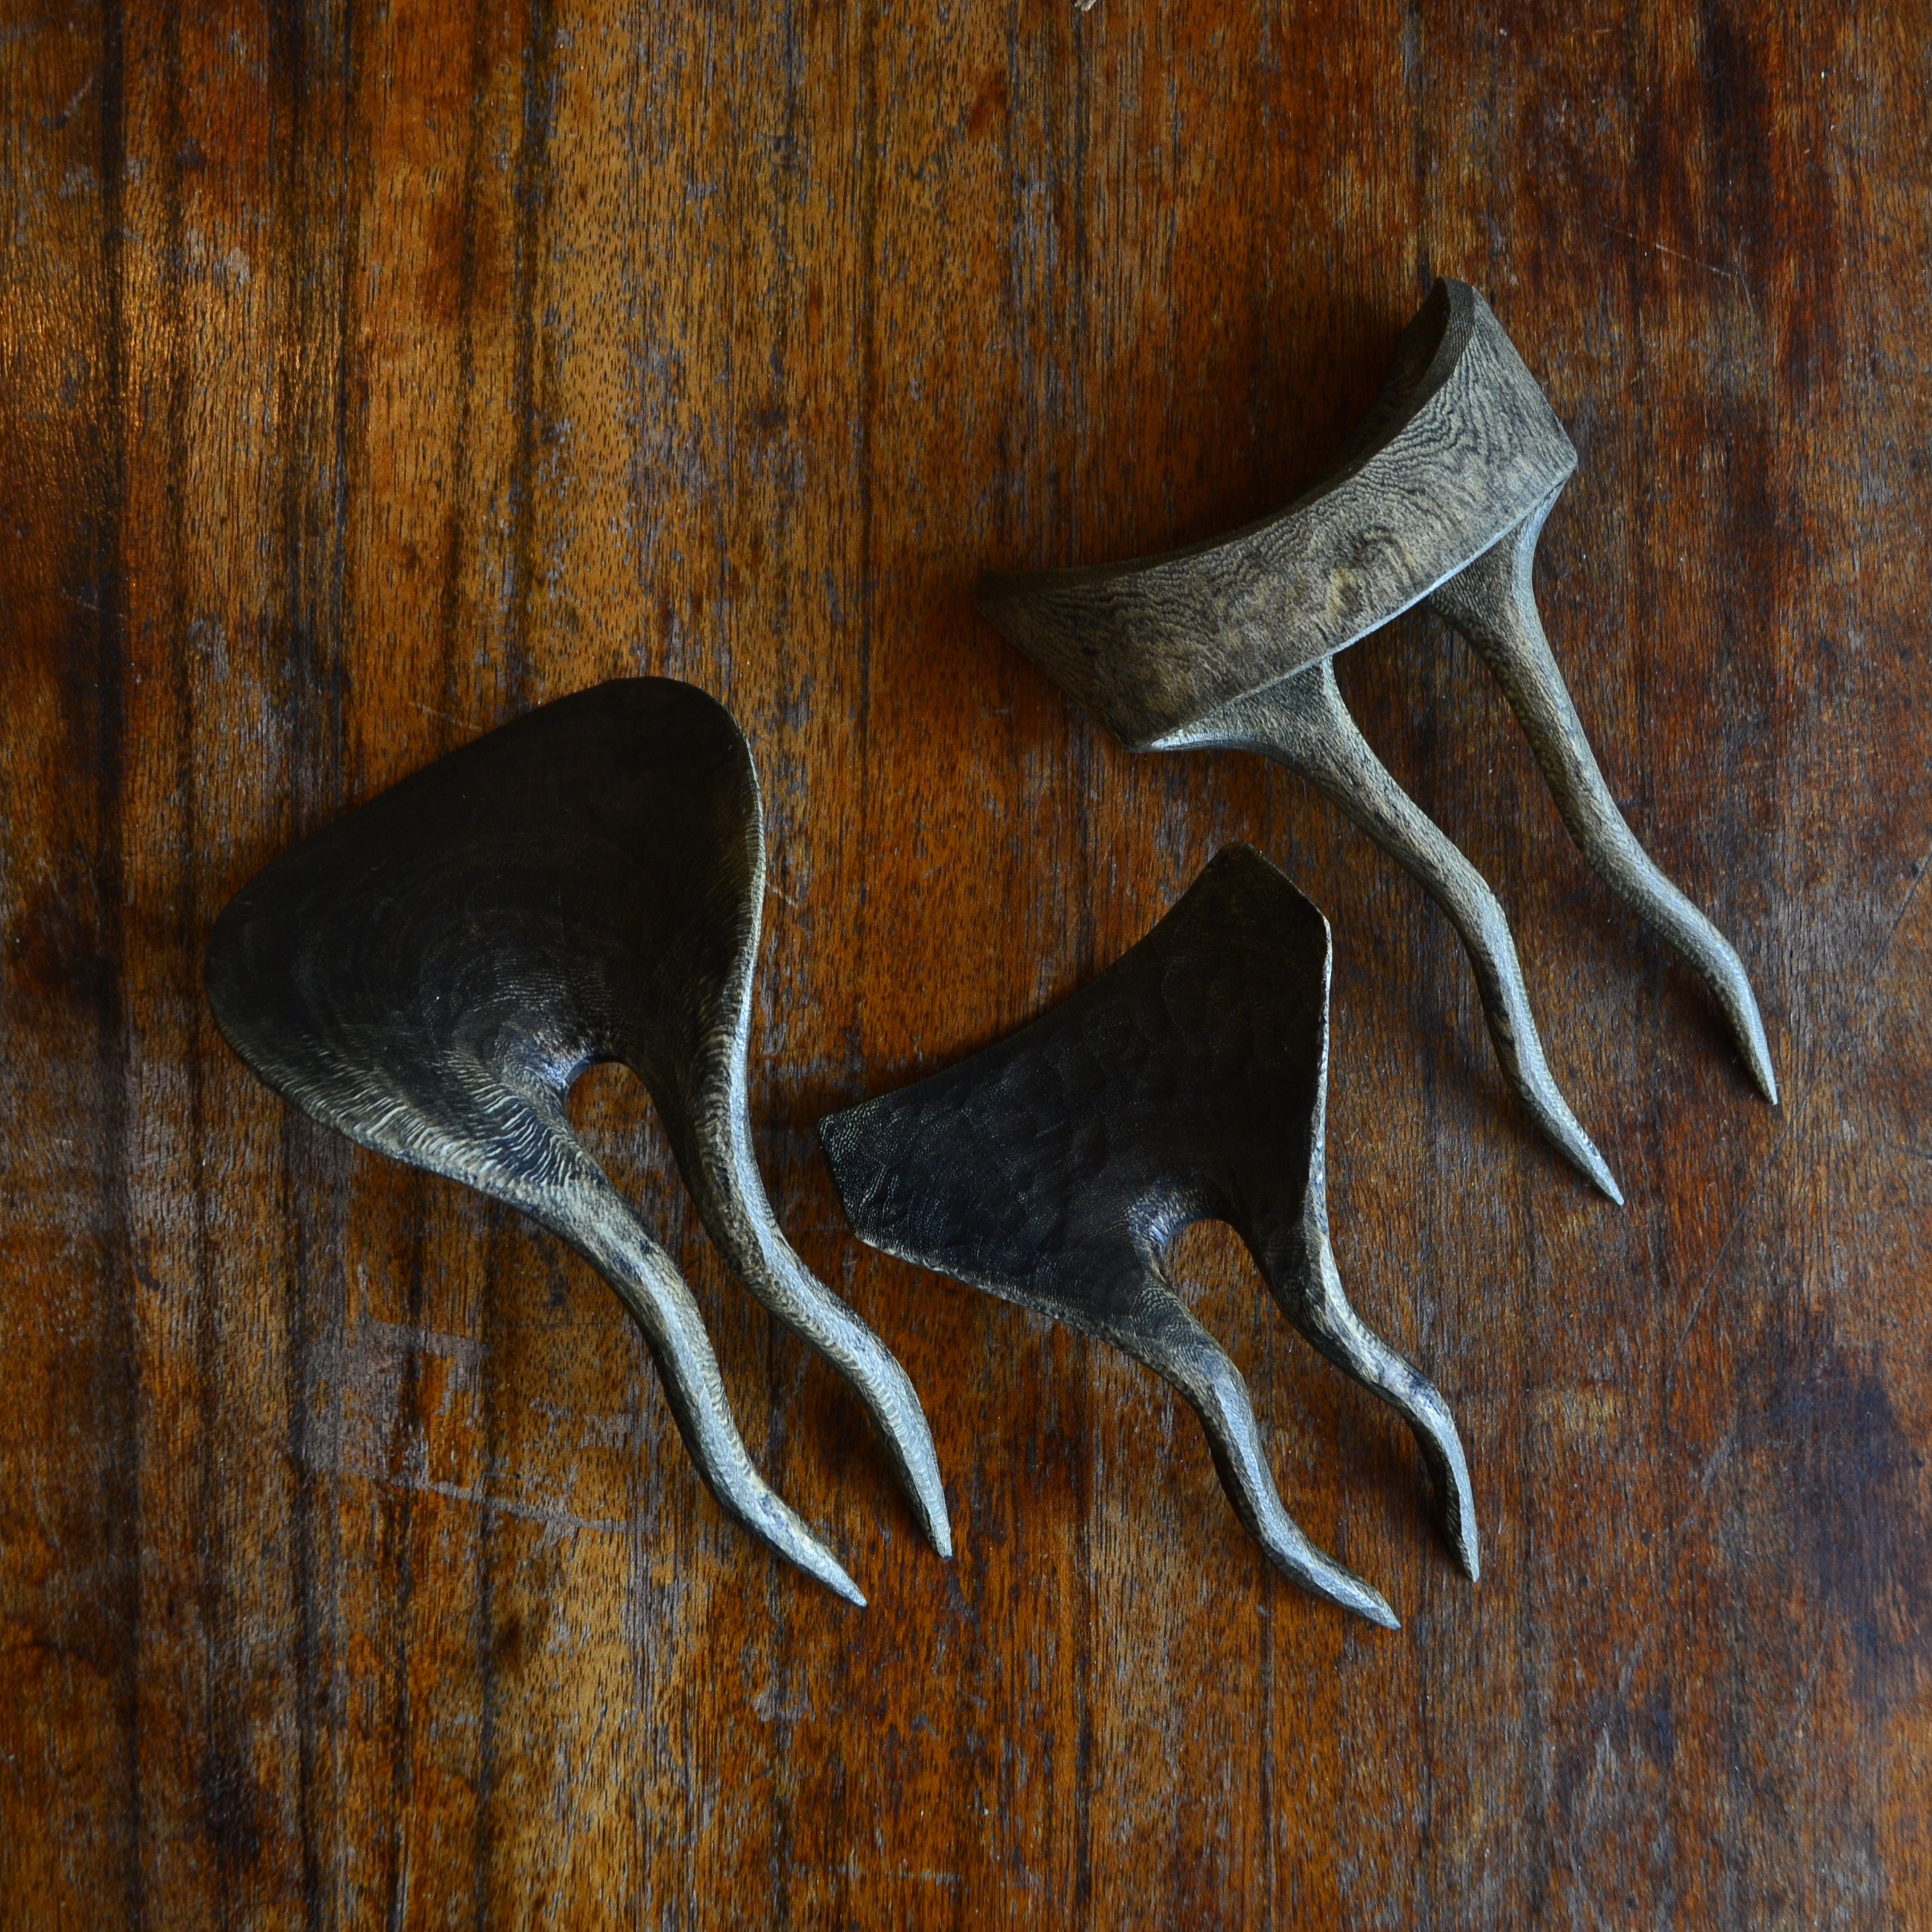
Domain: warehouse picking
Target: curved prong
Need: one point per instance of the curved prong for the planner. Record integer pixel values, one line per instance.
(1493, 604)
(1170, 1341)
(589, 1214)
(1302, 723)
(1308, 1286)
(721, 1171)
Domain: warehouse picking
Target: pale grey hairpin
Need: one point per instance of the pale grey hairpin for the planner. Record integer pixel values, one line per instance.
(1188, 1082)
(1438, 500)
(430, 974)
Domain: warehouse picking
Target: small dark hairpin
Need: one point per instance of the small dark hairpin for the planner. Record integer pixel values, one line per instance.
(1188, 1082)
(431, 973)
(1438, 500)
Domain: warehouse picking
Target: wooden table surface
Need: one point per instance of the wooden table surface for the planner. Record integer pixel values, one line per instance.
(369, 374)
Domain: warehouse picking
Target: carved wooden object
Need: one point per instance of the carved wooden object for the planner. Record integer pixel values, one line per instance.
(1188, 1082)
(432, 973)
(1438, 499)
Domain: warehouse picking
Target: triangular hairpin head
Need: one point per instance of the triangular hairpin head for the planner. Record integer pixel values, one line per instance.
(1187, 1083)
(1438, 500)
(431, 973)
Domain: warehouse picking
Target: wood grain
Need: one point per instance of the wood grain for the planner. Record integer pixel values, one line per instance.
(368, 375)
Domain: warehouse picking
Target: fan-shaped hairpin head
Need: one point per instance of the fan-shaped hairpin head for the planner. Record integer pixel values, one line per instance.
(1439, 499)
(1187, 1083)
(431, 973)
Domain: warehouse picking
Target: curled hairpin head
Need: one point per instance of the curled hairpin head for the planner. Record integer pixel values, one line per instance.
(1188, 1082)
(430, 974)
(1438, 499)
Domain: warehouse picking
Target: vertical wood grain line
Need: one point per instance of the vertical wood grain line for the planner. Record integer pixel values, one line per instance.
(867, 160)
(1083, 775)
(312, 590)
(312, 1495)
(397, 1544)
(1271, 1593)
(286, 102)
(310, 600)
(396, 1565)
(224, 1778)
(107, 601)
(532, 197)
(483, 1847)
(868, 359)
(1415, 74)
(453, 703)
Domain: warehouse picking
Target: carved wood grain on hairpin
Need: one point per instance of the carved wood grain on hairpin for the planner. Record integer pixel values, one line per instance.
(1188, 1082)
(1438, 500)
(431, 975)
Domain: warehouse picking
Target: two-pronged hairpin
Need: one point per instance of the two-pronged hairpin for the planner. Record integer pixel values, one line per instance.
(1438, 500)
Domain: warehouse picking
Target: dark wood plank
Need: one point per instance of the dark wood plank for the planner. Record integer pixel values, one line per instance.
(368, 375)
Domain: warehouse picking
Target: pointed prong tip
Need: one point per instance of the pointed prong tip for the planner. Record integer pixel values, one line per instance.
(1583, 1152)
(924, 1487)
(927, 1489)
(783, 1530)
(1378, 1611)
(1458, 1524)
(835, 1579)
(806, 1552)
(1343, 1588)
